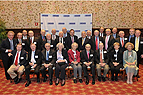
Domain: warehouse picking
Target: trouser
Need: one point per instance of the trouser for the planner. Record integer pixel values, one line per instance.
(77, 68)
(106, 68)
(36, 71)
(62, 69)
(92, 70)
(12, 69)
(50, 71)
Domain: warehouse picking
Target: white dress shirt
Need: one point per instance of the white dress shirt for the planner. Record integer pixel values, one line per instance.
(18, 57)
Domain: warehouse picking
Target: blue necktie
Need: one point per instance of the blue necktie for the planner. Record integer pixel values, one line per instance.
(47, 56)
(11, 45)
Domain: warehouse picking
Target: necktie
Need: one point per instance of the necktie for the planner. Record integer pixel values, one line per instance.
(53, 37)
(30, 40)
(47, 56)
(96, 44)
(136, 46)
(106, 42)
(101, 61)
(88, 54)
(16, 60)
(43, 38)
(122, 42)
(20, 41)
(11, 45)
(82, 41)
(72, 39)
(61, 40)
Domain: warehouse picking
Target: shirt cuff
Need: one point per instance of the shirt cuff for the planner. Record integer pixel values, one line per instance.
(6, 50)
(66, 61)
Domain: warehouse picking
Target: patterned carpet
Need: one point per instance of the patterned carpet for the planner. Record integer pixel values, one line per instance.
(108, 87)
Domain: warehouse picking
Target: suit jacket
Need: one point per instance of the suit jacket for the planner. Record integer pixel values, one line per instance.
(27, 47)
(64, 54)
(111, 41)
(37, 57)
(22, 58)
(71, 56)
(57, 41)
(97, 56)
(56, 37)
(41, 42)
(125, 41)
(84, 56)
(117, 36)
(80, 46)
(103, 34)
(129, 37)
(51, 59)
(93, 45)
(23, 43)
(68, 35)
(68, 41)
(53, 44)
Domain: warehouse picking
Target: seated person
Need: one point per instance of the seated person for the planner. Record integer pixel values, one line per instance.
(130, 62)
(18, 59)
(74, 59)
(116, 61)
(61, 63)
(48, 60)
(102, 60)
(87, 59)
(34, 61)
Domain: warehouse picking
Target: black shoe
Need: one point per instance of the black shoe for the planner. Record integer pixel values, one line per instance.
(116, 78)
(103, 78)
(93, 82)
(87, 82)
(80, 80)
(51, 82)
(112, 78)
(28, 83)
(38, 80)
(15, 79)
(44, 80)
(99, 78)
(74, 80)
(18, 80)
(63, 84)
(56, 83)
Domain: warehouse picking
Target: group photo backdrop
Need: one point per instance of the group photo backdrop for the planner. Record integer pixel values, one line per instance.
(78, 22)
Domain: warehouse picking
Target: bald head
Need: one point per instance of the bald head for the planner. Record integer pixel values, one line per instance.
(137, 33)
(64, 30)
(114, 30)
(61, 34)
(121, 34)
(48, 36)
(43, 32)
(24, 32)
(31, 33)
(83, 34)
(53, 31)
(101, 29)
(88, 33)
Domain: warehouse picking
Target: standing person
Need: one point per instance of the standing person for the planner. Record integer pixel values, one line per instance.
(60, 39)
(20, 40)
(89, 34)
(24, 33)
(131, 34)
(130, 62)
(54, 36)
(114, 34)
(74, 59)
(65, 33)
(61, 63)
(6, 47)
(101, 33)
(18, 59)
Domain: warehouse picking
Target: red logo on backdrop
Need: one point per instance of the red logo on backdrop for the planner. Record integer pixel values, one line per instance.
(36, 23)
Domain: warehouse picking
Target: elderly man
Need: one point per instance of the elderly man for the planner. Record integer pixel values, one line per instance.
(89, 34)
(65, 32)
(18, 59)
(60, 39)
(20, 40)
(131, 34)
(24, 37)
(114, 34)
(96, 39)
(102, 61)
(102, 34)
(7, 45)
(82, 41)
(54, 36)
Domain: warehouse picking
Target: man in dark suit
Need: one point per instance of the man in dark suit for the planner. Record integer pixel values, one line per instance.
(102, 61)
(31, 39)
(60, 39)
(122, 41)
(24, 33)
(71, 39)
(88, 34)
(82, 41)
(54, 36)
(18, 61)
(114, 34)
(20, 40)
(95, 40)
(131, 34)
(41, 39)
(66, 34)
(87, 59)
(34, 62)
(102, 34)
(48, 60)
(6, 47)
(108, 40)
(50, 41)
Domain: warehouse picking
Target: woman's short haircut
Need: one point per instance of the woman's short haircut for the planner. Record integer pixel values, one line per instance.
(74, 44)
(116, 43)
(60, 44)
(129, 43)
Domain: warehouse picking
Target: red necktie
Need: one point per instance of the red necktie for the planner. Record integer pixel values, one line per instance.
(96, 44)
(101, 61)
(122, 42)
(88, 54)
(30, 40)
(16, 60)
(72, 39)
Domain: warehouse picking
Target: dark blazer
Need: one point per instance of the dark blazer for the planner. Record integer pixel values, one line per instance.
(27, 47)
(104, 34)
(125, 41)
(64, 54)
(56, 37)
(97, 56)
(71, 56)
(68, 41)
(80, 46)
(84, 56)
(117, 36)
(111, 41)
(23, 43)
(51, 59)
(53, 44)
(129, 37)
(41, 42)
(22, 57)
(57, 41)
(93, 45)
(37, 57)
